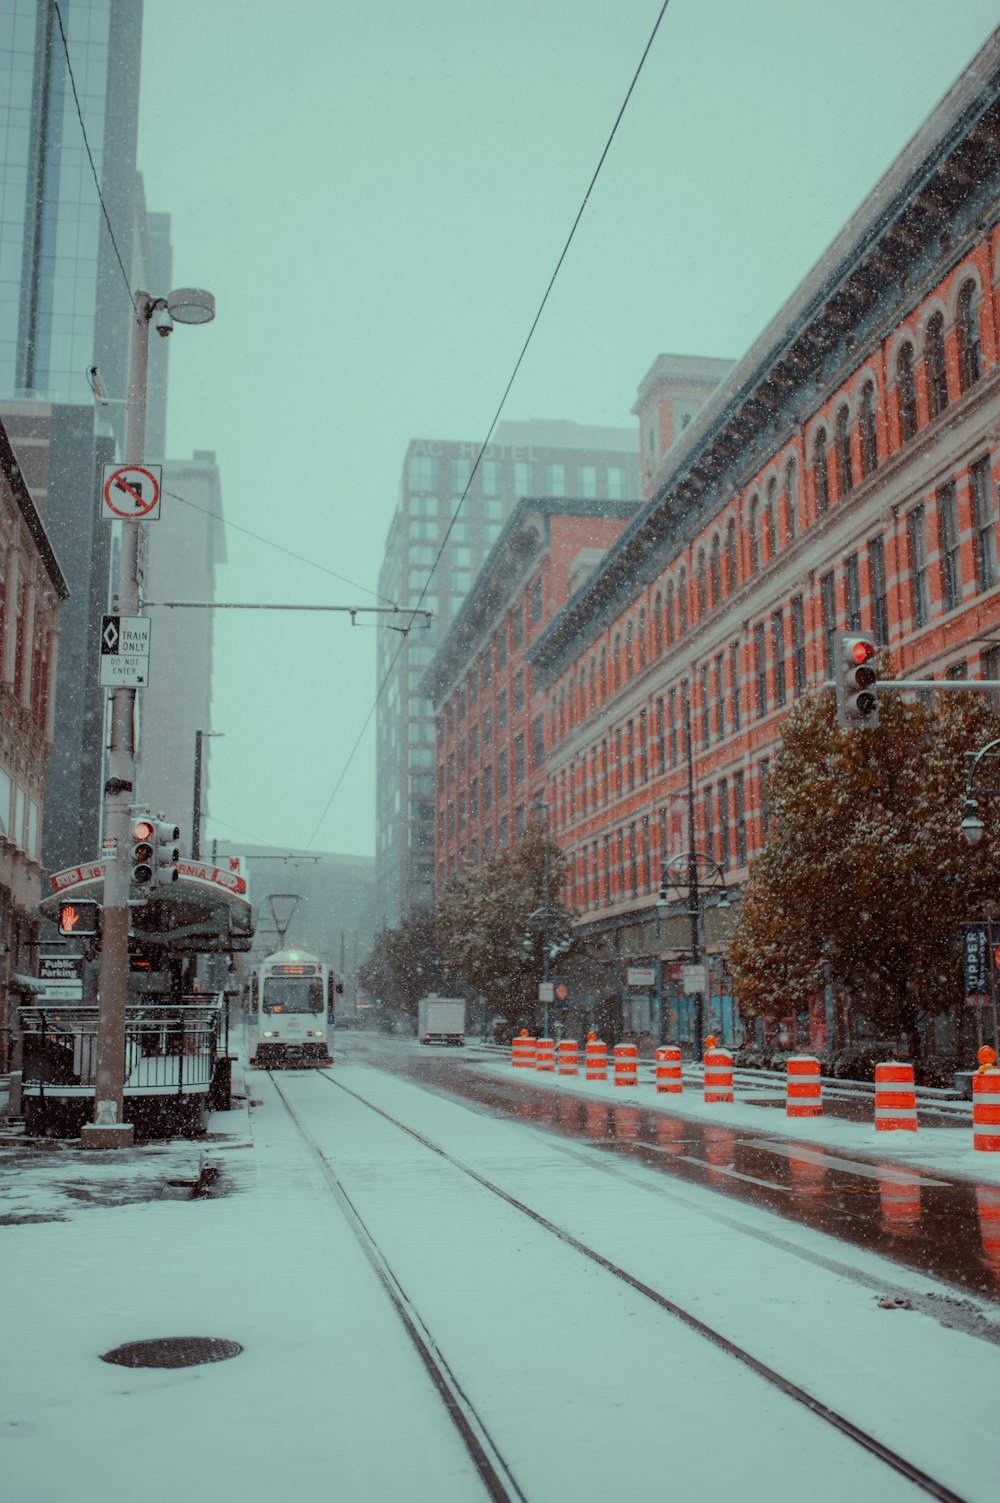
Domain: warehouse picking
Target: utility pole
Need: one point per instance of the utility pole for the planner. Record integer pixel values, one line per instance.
(693, 885)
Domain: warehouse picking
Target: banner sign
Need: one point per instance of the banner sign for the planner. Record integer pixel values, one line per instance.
(976, 959)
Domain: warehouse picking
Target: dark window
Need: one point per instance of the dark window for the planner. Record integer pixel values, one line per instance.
(937, 369)
(487, 726)
(519, 689)
(536, 602)
(852, 579)
(682, 599)
(661, 741)
(517, 622)
(799, 643)
(765, 805)
(724, 852)
(630, 754)
(702, 583)
(642, 636)
(951, 562)
(474, 799)
(792, 494)
(620, 779)
(502, 774)
(739, 799)
(657, 624)
(760, 667)
(970, 366)
(487, 787)
(845, 473)
(778, 642)
(502, 648)
(820, 474)
(538, 727)
(669, 612)
(755, 534)
(736, 686)
(829, 597)
(880, 598)
(917, 528)
(487, 670)
(707, 799)
(720, 698)
(502, 710)
(869, 434)
(643, 758)
(985, 516)
(715, 570)
(906, 391)
(706, 727)
(673, 728)
(731, 566)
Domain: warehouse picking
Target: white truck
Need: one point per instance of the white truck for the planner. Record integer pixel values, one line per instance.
(441, 1020)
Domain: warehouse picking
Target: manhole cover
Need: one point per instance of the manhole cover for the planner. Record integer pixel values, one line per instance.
(173, 1351)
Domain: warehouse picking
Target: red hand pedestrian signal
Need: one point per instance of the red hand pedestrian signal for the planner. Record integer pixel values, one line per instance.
(68, 919)
(81, 918)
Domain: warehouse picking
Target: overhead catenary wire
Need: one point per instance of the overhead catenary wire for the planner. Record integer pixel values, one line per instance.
(500, 406)
(90, 154)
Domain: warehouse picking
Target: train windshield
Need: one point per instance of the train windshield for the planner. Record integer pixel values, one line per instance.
(293, 994)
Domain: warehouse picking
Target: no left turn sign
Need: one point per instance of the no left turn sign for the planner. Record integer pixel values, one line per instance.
(131, 492)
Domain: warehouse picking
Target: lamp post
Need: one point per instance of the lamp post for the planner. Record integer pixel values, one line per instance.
(693, 874)
(185, 305)
(972, 830)
(199, 736)
(542, 808)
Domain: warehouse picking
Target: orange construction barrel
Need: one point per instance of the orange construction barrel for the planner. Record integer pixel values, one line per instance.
(986, 1109)
(626, 1065)
(803, 1088)
(545, 1055)
(895, 1097)
(523, 1051)
(568, 1057)
(668, 1069)
(596, 1058)
(718, 1075)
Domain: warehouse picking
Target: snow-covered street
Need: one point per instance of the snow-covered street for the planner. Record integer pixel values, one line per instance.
(577, 1383)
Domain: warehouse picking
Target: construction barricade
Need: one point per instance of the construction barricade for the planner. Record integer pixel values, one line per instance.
(668, 1069)
(895, 1098)
(595, 1056)
(522, 1054)
(545, 1055)
(803, 1088)
(718, 1075)
(626, 1065)
(568, 1057)
(986, 1104)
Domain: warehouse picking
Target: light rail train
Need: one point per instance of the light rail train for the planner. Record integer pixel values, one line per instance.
(289, 1002)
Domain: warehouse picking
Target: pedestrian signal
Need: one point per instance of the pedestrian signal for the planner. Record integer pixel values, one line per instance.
(857, 683)
(82, 917)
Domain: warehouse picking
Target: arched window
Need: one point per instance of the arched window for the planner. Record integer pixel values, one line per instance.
(682, 599)
(906, 390)
(869, 437)
(616, 661)
(934, 360)
(970, 365)
(581, 699)
(792, 498)
(731, 562)
(754, 534)
(642, 636)
(768, 530)
(821, 477)
(602, 674)
(657, 623)
(842, 443)
(669, 612)
(629, 657)
(715, 569)
(593, 683)
(701, 578)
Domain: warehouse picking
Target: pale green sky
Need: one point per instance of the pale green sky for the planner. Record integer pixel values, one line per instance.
(377, 194)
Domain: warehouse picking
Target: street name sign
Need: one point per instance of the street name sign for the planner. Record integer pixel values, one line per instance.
(131, 492)
(124, 652)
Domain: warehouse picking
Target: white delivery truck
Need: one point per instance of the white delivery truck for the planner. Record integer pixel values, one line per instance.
(441, 1020)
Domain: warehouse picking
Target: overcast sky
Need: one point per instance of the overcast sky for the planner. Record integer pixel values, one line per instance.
(378, 193)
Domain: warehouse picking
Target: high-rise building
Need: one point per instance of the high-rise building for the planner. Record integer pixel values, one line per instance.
(538, 458)
(65, 306)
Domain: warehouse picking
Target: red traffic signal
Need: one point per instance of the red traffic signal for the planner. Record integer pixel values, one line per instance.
(857, 683)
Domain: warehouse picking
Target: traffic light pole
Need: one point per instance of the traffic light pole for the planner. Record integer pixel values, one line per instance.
(108, 1130)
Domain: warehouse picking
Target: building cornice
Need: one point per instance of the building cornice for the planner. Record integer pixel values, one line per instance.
(30, 515)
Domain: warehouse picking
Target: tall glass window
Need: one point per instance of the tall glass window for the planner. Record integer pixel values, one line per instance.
(951, 562)
(985, 517)
(916, 524)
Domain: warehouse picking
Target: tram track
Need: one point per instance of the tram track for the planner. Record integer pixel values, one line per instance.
(493, 1468)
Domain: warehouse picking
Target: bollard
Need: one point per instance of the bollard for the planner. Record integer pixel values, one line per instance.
(986, 1104)
(523, 1051)
(545, 1055)
(626, 1065)
(668, 1069)
(718, 1075)
(895, 1099)
(568, 1057)
(596, 1058)
(803, 1088)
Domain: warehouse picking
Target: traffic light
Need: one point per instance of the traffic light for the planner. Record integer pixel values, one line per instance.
(167, 853)
(81, 917)
(143, 852)
(857, 683)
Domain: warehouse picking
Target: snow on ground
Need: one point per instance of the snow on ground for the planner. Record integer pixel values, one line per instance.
(600, 1394)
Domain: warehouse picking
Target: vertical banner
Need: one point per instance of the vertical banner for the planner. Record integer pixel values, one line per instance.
(976, 958)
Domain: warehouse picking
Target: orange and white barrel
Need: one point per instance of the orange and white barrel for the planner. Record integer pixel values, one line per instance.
(895, 1098)
(803, 1088)
(986, 1110)
(668, 1069)
(626, 1065)
(596, 1058)
(545, 1055)
(988, 1205)
(523, 1052)
(718, 1075)
(568, 1057)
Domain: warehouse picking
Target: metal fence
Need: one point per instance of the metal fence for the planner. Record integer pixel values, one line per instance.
(168, 1049)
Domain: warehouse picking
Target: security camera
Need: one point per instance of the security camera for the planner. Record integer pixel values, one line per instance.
(163, 323)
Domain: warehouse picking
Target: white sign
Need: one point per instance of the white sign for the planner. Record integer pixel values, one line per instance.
(204, 871)
(59, 991)
(641, 975)
(546, 991)
(693, 978)
(131, 492)
(124, 652)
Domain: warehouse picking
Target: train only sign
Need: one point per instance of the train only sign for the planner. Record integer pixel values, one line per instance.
(124, 652)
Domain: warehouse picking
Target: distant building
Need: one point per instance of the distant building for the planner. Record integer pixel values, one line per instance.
(555, 459)
(672, 392)
(32, 588)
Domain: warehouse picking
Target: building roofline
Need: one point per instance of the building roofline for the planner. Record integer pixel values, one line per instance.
(30, 514)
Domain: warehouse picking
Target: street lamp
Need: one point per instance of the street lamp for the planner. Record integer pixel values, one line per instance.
(972, 830)
(199, 736)
(190, 305)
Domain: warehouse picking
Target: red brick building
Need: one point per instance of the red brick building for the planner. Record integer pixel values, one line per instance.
(844, 475)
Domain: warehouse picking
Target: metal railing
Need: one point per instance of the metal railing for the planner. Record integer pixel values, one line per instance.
(169, 1049)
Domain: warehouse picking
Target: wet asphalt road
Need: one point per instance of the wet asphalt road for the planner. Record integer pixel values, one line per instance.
(946, 1228)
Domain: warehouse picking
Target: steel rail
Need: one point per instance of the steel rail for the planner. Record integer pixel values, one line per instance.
(486, 1457)
(785, 1385)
